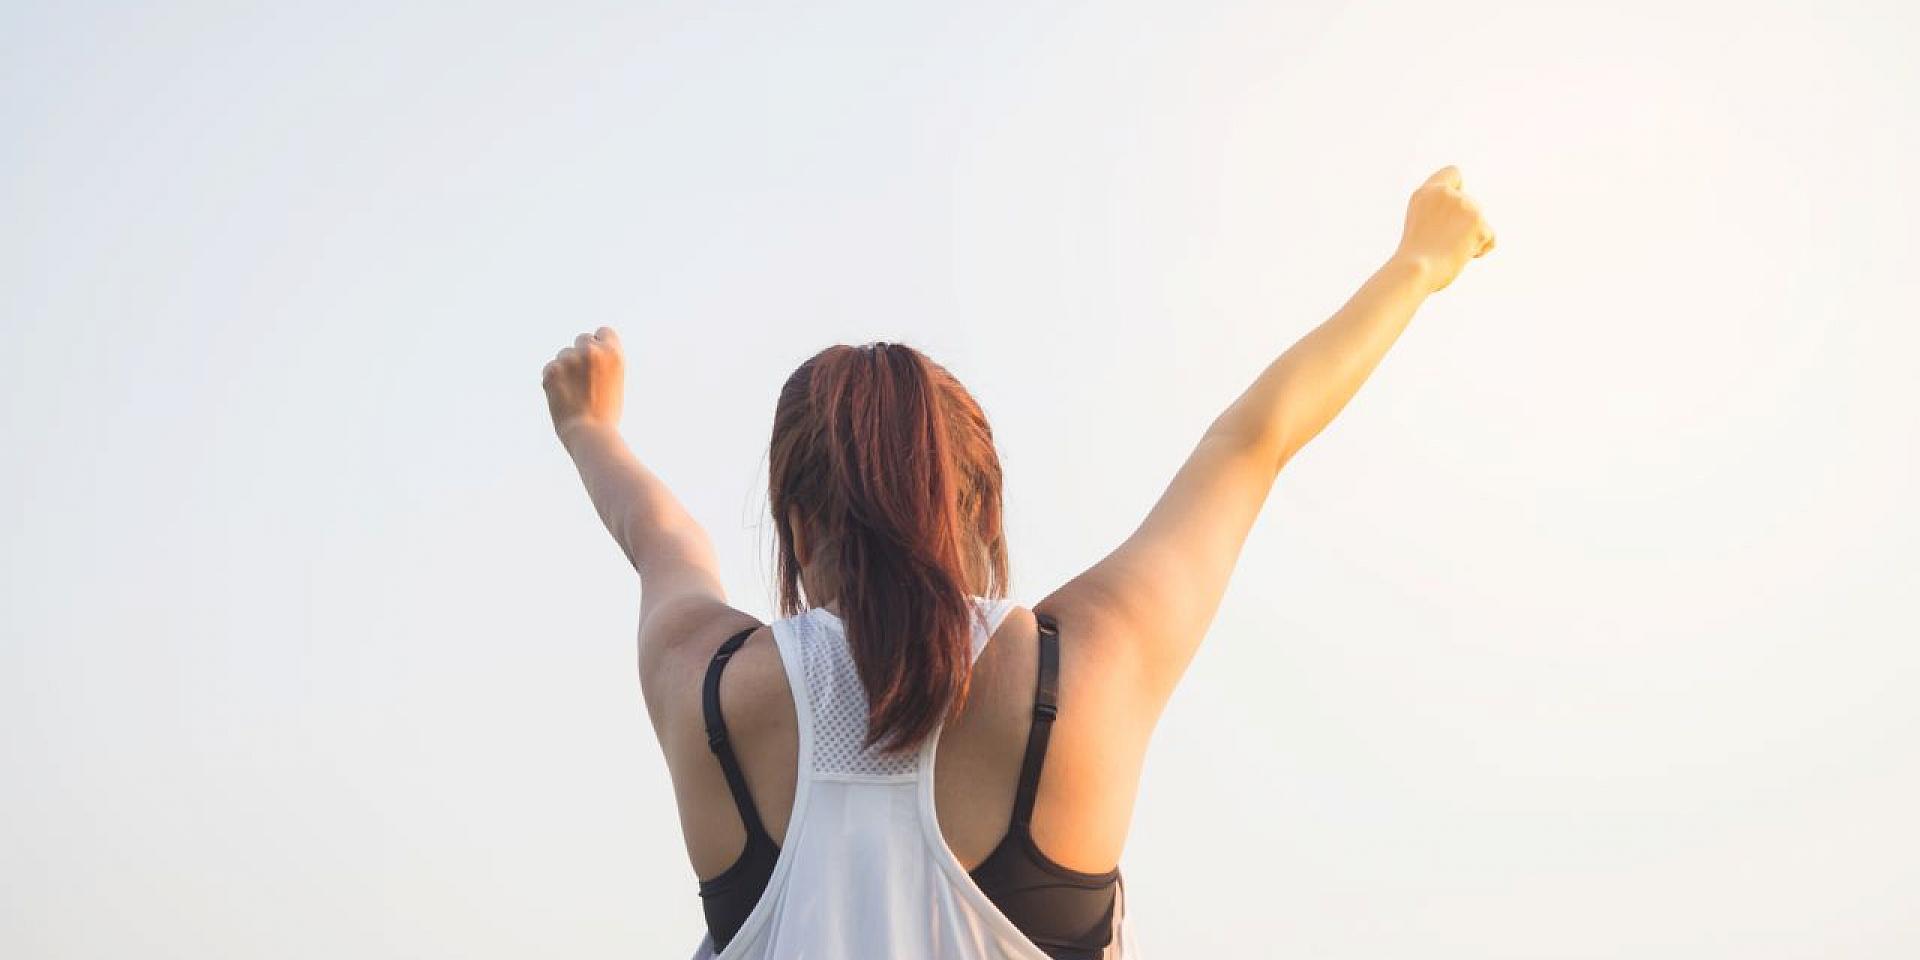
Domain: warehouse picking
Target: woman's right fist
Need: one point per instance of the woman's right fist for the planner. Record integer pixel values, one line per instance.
(1444, 229)
(586, 382)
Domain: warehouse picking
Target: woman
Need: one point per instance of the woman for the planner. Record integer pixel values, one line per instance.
(802, 752)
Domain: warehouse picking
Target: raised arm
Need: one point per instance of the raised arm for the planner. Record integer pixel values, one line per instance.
(679, 577)
(1151, 600)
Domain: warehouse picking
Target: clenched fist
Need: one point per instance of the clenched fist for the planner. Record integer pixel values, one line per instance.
(584, 382)
(1444, 229)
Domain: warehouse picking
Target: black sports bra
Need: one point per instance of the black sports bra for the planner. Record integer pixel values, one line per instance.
(1068, 914)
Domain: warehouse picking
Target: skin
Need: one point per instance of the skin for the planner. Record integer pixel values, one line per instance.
(1130, 624)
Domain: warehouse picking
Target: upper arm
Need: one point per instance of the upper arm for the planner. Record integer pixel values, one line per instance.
(679, 633)
(1149, 602)
(677, 566)
(682, 600)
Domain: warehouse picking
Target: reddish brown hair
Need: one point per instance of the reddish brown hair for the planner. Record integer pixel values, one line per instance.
(891, 465)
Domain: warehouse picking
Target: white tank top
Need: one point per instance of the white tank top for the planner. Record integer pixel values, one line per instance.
(864, 870)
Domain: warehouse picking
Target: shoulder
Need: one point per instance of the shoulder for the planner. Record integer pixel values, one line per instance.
(1096, 623)
(677, 646)
(1089, 631)
(1088, 670)
(1103, 677)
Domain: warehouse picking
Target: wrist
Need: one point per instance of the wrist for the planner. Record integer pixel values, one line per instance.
(578, 427)
(1411, 268)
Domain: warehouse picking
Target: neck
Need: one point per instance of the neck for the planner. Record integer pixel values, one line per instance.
(820, 587)
(823, 590)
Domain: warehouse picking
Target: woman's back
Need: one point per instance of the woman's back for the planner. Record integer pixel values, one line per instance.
(871, 850)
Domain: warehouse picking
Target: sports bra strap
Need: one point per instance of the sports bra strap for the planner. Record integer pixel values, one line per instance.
(1046, 699)
(717, 736)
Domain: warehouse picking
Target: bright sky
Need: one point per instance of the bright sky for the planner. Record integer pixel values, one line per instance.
(1585, 632)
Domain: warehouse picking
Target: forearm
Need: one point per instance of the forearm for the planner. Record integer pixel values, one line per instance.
(641, 513)
(1298, 394)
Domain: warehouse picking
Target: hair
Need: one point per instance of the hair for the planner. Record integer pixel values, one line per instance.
(892, 468)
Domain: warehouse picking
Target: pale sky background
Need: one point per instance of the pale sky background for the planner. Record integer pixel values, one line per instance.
(1587, 631)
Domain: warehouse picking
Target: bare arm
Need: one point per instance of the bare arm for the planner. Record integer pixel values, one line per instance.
(680, 584)
(1302, 390)
(1154, 596)
(658, 536)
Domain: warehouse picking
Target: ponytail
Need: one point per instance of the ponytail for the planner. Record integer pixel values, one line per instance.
(892, 465)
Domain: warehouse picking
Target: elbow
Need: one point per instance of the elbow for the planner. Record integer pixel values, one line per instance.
(1266, 439)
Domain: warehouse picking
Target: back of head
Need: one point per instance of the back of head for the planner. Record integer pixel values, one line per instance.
(888, 465)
